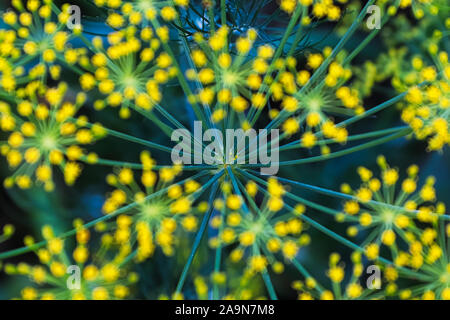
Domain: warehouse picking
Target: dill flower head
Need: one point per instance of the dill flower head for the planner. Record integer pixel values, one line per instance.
(129, 71)
(37, 32)
(387, 207)
(309, 98)
(159, 208)
(43, 134)
(427, 110)
(424, 264)
(263, 236)
(227, 78)
(101, 272)
(428, 263)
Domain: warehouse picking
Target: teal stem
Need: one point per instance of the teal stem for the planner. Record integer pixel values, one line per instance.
(201, 232)
(295, 144)
(367, 40)
(297, 198)
(127, 137)
(341, 153)
(267, 281)
(305, 273)
(350, 197)
(269, 285)
(152, 117)
(236, 189)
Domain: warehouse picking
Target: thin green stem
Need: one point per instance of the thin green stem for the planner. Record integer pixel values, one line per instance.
(305, 273)
(372, 134)
(200, 233)
(127, 137)
(351, 197)
(180, 76)
(236, 188)
(341, 153)
(139, 166)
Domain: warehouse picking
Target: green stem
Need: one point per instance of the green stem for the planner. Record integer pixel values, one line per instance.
(139, 166)
(180, 76)
(350, 197)
(200, 233)
(297, 144)
(305, 272)
(127, 137)
(269, 285)
(341, 153)
(367, 40)
(223, 13)
(236, 188)
(149, 115)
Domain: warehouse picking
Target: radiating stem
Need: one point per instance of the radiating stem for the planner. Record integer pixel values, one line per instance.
(267, 280)
(305, 273)
(341, 153)
(236, 189)
(297, 144)
(127, 137)
(200, 233)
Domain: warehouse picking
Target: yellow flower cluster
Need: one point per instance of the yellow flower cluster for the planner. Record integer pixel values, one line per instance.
(227, 83)
(310, 106)
(46, 134)
(56, 279)
(321, 9)
(427, 256)
(36, 31)
(354, 289)
(155, 207)
(390, 211)
(140, 11)
(129, 72)
(427, 111)
(258, 234)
